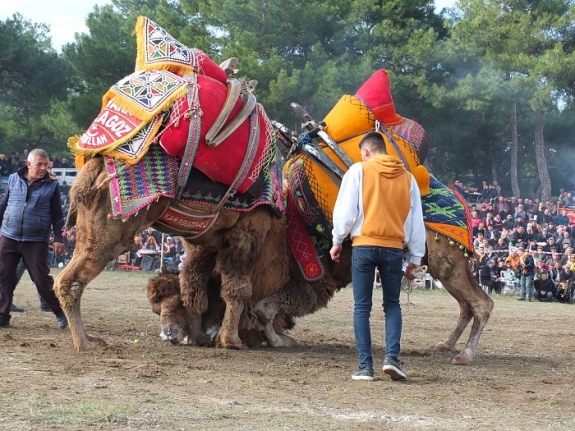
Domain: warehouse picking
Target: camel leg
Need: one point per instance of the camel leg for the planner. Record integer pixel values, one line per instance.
(69, 287)
(266, 309)
(448, 264)
(198, 268)
(236, 264)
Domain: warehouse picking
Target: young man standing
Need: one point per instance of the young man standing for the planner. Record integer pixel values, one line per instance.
(379, 206)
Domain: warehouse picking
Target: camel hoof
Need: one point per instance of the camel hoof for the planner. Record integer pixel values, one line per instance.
(464, 358)
(282, 341)
(440, 347)
(229, 345)
(94, 344)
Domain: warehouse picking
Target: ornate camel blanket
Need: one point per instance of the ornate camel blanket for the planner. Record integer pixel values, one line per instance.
(179, 98)
(135, 186)
(446, 212)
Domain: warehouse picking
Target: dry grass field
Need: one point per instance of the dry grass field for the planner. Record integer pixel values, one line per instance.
(523, 376)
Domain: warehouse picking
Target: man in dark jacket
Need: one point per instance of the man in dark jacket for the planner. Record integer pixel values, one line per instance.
(544, 287)
(29, 209)
(527, 270)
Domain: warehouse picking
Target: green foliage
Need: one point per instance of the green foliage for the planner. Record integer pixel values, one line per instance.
(31, 75)
(457, 74)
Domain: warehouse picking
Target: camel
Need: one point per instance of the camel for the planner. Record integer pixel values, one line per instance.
(232, 245)
(165, 297)
(301, 297)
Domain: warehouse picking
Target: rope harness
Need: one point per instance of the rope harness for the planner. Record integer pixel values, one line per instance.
(408, 285)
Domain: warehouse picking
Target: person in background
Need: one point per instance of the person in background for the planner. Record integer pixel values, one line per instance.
(544, 288)
(527, 269)
(378, 231)
(29, 208)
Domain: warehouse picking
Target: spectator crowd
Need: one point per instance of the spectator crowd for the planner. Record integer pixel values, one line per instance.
(525, 243)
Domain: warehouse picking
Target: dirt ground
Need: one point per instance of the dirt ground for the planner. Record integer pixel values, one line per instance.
(523, 376)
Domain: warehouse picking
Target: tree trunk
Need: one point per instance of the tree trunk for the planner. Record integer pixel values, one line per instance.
(514, 143)
(540, 157)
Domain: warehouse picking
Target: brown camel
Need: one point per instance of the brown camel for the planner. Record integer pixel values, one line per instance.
(300, 297)
(231, 246)
(164, 295)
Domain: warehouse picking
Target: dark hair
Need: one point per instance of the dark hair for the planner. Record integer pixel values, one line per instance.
(374, 141)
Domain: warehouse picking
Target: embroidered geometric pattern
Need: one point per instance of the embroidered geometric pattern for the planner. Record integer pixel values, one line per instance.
(134, 187)
(300, 243)
(264, 192)
(161, 47)
(133, 150)
(444, 213)
(150, 91)
(411, 131)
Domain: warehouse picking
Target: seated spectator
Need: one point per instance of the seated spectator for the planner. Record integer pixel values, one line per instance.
(500, 206)
(557, 275)
(482, 256)
(479, 229)
(571, 262)
(509, 223)
(519, 221)
(488, 277)
(501, 249)
(566, 290)
(497, 222)
(544, 288)
(513, 259)
(136, 260)
(169, 251)
(551, 228)
(151, 244)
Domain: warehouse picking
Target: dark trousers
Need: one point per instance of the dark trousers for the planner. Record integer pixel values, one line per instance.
(35, 256)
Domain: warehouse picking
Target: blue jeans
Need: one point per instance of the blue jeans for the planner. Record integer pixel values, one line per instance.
(547, 297)
(388, 261)
(526, 286)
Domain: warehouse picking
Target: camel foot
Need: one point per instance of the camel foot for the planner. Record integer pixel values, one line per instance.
(282, 340)
(440, 347)
(464, 358)
(222, 342)
(93, 344)
(201, 341)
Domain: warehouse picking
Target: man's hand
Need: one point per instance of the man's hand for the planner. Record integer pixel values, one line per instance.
(335, 252)
(408, 269)
(58, 248)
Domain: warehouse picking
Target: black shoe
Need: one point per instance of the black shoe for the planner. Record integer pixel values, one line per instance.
(392, 368)
(4, 320)
(44, 306)
(521, 299)
(61, 319)
(16, 309)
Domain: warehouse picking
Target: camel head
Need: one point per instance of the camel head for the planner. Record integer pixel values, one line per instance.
(164, 295)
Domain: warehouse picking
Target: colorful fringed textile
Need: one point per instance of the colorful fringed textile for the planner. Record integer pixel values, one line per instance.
(112, 127)
(137, 147)
(158, 47)
(146, 93)
(266, 190)
(411, 131)
(303, 189)
(300, 243)
(447, 214)
(133, 187)
(158, 50)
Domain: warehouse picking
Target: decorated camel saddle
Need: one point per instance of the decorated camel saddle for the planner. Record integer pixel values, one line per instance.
(182, 127)
(326, 150)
